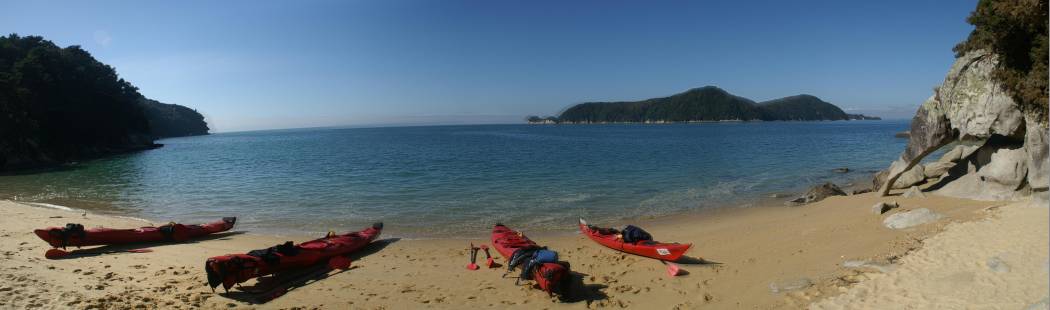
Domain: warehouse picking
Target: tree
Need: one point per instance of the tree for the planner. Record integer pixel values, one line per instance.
(1016, 30)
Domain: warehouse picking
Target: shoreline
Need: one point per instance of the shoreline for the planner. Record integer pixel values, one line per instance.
(748, 250)
(772, 199)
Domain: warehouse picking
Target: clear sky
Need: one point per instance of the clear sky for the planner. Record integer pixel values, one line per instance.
(251, 65)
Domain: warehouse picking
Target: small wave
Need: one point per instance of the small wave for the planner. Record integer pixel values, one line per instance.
(575, 198)
(133, 218)
(50, 206)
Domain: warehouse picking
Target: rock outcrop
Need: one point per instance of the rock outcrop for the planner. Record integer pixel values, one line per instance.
(970, 106)
(818, 193)
(913, 192)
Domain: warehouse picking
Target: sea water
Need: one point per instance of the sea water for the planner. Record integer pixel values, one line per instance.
(442, 181)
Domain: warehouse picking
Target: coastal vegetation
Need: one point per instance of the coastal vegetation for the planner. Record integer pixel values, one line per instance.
(1017, 32)
(707, 103)
(60, 104)
(172, 120)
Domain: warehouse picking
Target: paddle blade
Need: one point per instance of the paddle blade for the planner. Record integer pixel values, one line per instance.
(673, 270)
(472, 266)
(339, 262)
(490, 263)
(55, 254)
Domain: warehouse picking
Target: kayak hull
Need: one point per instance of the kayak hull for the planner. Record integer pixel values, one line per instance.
(657, 250)
(227, 270)
(59, 237)
(548, 276)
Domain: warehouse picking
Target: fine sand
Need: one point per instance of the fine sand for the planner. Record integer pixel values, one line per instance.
(996, 263)
(756, 257)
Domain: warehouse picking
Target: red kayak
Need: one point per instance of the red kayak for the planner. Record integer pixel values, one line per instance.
(76, 235)
(549, 276)
(652, 249)
(231, 269)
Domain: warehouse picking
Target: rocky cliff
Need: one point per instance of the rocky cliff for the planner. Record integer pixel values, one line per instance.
(1010, 160)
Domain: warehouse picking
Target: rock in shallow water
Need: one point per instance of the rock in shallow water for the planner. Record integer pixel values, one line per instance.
(911, 218)
(818, 193)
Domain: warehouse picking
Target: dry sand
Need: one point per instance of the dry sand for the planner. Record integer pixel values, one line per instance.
(748, 251)
(997, 263)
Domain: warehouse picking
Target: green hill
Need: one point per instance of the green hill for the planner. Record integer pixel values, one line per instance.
(60, 104)
(707, 103)
(801, 108)
(699, 104)
(172, 120)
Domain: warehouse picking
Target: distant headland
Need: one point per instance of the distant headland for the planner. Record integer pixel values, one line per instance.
(60, 104)
(704, 104)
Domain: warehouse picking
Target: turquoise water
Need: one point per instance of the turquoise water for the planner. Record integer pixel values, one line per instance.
(449, 180)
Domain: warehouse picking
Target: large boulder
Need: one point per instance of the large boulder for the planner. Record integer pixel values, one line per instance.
(957, 153)
(1007, 167)
(937, 169)
(912, 177)
(1037, 148)
(913, 192)
(972, 106)
(976, 103)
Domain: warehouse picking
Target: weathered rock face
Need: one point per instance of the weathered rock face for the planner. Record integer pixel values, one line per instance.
(971, 106)
(1036, 147)
(913, 192)
(958, 153)
(937, 169)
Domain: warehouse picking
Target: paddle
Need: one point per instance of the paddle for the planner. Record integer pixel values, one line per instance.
(489, 262)
(673, 269)
(60, 253)
(473, 257)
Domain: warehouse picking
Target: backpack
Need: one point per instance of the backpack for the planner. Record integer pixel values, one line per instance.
(632, 234)
(538, 258)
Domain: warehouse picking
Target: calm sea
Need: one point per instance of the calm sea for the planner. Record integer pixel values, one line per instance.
(458, 180)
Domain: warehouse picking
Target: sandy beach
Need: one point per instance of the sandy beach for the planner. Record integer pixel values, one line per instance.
(753, 258)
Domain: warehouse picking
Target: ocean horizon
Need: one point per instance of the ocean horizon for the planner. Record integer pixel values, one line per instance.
(449, 180)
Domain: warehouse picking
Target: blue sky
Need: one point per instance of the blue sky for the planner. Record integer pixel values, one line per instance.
(250, 65)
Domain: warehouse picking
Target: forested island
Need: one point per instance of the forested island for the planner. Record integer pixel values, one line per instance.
(702, 104)
(61, 104)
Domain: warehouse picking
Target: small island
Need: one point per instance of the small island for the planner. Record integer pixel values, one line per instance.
(704, 104)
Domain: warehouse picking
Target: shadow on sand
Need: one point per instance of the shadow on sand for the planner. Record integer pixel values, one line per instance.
(689, 260)
(270, 287)
(141, 247)
(578, 291)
